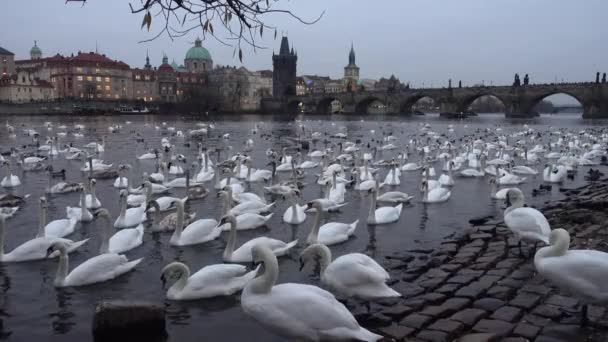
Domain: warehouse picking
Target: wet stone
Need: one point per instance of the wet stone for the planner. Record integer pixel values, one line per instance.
(568, 332)
(450, 267)
(433, 297)
(507, 313)
(397, 331)
(448, 248)
(548, 339)
(526, 330)
(470, 272)
(520, 275)
(561, 301)
(431, 283)
(500, 292)
(525, 300)
(447, 308)
(508, 263)
(510, 282)
(415, 320)
(460, 279)
(469, 317)
(482, 236)
(408, 289)
(535, 320)
(479, 337)
(481, 266)
(448, 289)
(415, 303)
(549, 311)
(515, 339)
(397, 311)
(472, 291)
(498, 272)
(494, 326)
(538, 289)
(436, 273)
(432, 336)
(488, 259)
(488, 304)
(452, 328)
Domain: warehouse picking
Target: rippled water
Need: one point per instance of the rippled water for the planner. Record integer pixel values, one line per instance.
(32, 309)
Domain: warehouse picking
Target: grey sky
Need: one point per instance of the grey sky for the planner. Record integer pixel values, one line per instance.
(418, 40)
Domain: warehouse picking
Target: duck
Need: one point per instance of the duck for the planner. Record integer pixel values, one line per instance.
(436, 195)
(121, 241)
(350, 275)
(196, 191)
(61, 187)
(243, 253)
(36, 248)
(579, 272)
(82, 214)
(169, 222)
(129, 217)
(97, 269)
(92, 201)
(10, 180)
(295, 213)
(197, 232)
(330, 233)
(319, 315)
(208, 282)
(382, 215)
(527, 224)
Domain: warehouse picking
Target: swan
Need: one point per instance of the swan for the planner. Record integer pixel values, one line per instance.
(435, 195)
(92, 201)
(243, 253)
(206, 173)
(57, 228)
(257, 175)
(555, 173)
(61, 187)
(252, 207)
(10, 180)
(210, 281)
(501, 194)
(392, 177)
(199, 231)
(295, 213)
(508, 178)
(326, 205)
(382, 215)
(36, 248)
(446, 177)
(527, 224)
(297, 311)
(394, 197)
(123, 240)
(330, 233)
(579, 272)
(121, 182)
(350, 275)
(129, 217)
(523, 170)
(97, 269)
(81, 214)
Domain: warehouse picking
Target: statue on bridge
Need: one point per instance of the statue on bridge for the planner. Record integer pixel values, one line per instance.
(604, 78)
(526, 80)
(597, 77)
(516, 82)
(450, 83)
(460, 84)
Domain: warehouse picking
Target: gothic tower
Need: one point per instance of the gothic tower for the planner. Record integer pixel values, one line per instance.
(351, 71)
(284, 71)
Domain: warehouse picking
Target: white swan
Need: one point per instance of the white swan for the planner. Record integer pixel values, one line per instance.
(326, 205)
(61, 187)
(199, 231)
(82, 214)
(97, 269)
(298, 311)
(555, 173)
(129, 217)
(243, 253)
(210, 281)
(34, 249)
(579, 272)
(121, 241)
(508, 178)
(57, 228)
(435, 195)
(394, 197)
(351, 275)
(330, 233)
(295, 213)
(382, 215)
(500, 194)
(10, 180)
(527, 224)
(92, 201)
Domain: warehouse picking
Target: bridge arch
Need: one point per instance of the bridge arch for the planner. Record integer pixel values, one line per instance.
(295, 107)
(535, 101)
(328, 105)
(406, 106)
(464, 105)
(362, 106)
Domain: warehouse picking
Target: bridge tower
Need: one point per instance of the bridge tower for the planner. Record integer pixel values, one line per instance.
(284, 71)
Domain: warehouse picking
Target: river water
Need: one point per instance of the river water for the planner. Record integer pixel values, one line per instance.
(32, 309)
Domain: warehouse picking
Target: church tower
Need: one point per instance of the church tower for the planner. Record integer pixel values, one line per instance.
(351, 71)
(284, 71)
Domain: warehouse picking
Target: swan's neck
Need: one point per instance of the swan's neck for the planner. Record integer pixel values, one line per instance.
(394, 175)
(263, 284)
(249, 173)
(93, 194)
(206, 162)
(2, 229)
(180, 222)
(184, 274)
(314, 232)
(324, 257)
(41, 221)
(83, 204)
(493, 189)
(559, 248)
(107, 233)
(231, 241)
(62, 270)
(123, 206)
(425, 194)
(371, 216)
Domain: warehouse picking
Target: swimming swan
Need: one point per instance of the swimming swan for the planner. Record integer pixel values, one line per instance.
(330, 233)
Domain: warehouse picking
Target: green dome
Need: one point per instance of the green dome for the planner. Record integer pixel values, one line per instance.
(174, 65)
(198, 51)
(35, 49)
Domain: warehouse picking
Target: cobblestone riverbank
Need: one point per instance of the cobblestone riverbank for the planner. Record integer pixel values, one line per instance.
(477, 286)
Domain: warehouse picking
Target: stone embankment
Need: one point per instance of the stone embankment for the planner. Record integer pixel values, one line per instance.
(477, 287)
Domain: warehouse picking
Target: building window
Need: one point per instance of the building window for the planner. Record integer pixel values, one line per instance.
(116, 96)
(137, 77)
(22, 79)
(4, 60)
(89, 78)
(97, 71)
(98, 78)
(107, 79)
(107, 88)
(79, 69)
(147, 77)
(79, 78)
(98, 87)
(195, 65)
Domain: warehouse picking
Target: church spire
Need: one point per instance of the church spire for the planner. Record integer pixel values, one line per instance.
(147, 66)
(351, 55)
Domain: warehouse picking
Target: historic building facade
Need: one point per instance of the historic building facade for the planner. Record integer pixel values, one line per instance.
(284, 64)
(239, 88)
(7, 62)
(351, 71)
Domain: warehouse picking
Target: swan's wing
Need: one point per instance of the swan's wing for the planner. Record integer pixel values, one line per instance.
(356, 269)
(125, 239)
(199, 228)
(98, 268)
(530, 221)
(582, 271)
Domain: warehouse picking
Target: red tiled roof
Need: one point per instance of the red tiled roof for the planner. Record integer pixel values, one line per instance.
(84, 59)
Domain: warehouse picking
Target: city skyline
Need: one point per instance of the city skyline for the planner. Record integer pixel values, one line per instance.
(427, 55)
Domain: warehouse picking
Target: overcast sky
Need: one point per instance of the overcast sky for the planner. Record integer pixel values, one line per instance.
(420, 41)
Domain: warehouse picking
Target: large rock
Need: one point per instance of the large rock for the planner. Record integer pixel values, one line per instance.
(129, 321)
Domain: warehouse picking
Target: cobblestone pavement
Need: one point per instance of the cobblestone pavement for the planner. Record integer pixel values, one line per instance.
(477, 287)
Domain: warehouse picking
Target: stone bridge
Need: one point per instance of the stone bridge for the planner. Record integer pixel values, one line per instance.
(519, 101)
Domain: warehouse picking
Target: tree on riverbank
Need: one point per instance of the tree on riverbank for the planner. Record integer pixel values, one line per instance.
(242, 21)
